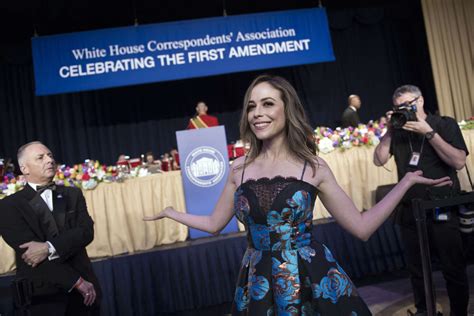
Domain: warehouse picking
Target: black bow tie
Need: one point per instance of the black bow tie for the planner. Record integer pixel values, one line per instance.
(50, 185)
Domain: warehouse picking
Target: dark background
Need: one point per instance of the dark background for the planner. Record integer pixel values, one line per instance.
(379, 45)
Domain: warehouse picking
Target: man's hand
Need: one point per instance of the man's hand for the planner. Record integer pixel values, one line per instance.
(35, 252)
(421, 126)
(87, 291)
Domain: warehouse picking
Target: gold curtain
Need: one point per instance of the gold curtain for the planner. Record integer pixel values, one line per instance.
(463, 173)
(450, 30)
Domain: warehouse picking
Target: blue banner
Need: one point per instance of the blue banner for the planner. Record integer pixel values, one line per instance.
(177, 50)
(204, 167)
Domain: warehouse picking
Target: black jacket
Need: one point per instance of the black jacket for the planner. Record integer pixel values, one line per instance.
(350, 118)
(19, 223)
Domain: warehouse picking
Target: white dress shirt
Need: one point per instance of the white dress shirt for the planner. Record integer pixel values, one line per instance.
(47, 197)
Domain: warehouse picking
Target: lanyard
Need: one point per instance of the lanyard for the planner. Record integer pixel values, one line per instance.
(415, 156)
(422, 143)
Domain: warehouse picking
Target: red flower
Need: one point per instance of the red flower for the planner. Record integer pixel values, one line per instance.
(86, 177)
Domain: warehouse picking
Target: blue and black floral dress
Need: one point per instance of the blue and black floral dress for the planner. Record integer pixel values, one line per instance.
(284, 270)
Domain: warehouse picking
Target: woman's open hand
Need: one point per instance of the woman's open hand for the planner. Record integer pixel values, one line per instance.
(163, 214)
(416, 177)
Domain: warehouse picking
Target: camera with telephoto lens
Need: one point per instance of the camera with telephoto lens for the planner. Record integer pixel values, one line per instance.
(402, 114)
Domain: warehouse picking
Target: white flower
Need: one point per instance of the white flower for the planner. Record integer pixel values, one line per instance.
(11, 188)
(89, 185)
(347, 144)
(100, 174)
(143, 172)
(325, 145)
(375, 141)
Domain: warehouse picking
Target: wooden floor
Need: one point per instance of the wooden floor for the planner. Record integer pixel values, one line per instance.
(395, 297)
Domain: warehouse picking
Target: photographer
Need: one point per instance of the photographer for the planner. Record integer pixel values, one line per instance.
(434, 145)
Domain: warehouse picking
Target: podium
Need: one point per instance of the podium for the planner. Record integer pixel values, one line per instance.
(205, 167)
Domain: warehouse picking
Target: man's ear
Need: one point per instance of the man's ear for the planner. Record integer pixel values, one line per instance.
(422, 100)
(24, 169)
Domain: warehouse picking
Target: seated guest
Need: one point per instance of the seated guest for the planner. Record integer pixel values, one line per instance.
(149, 158)
(153, 166)
(121, 159)
(202, 119)
(350, 116)
(122, 164)
(174, 159)
(165, 162)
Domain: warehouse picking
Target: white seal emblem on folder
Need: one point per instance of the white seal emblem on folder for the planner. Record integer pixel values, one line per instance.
(204, 166)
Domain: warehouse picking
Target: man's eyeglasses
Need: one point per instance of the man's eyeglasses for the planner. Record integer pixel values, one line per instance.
(406, 104)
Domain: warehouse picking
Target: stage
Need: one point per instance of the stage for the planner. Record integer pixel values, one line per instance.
(198, 277)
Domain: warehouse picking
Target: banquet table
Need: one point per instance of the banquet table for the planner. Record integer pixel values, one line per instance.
(118, 208)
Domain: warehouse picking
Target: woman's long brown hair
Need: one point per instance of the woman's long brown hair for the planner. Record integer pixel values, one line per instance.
(299, 133)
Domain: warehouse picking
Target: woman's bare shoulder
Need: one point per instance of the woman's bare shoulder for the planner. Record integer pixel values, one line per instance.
(236, 169)
(321, 172)
(238, 164)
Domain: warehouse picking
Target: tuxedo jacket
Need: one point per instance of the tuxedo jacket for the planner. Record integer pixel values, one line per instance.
(19, 223)
(350, 118)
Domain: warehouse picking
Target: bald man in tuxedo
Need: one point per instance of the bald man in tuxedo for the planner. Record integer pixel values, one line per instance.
(350, 117)
(49, 228)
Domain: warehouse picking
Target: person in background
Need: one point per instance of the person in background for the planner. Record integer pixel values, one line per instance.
(350, 117)
(202, 119)
(165, 162)
(153, 166)
(435, 146)
(122, 158)
(49, 228)
(174, 159)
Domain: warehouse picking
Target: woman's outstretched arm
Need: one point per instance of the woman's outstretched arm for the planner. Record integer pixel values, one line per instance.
(214, 223)
(363, 225)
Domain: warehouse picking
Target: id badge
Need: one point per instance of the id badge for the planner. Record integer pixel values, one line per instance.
(415, 159)
(441, 215)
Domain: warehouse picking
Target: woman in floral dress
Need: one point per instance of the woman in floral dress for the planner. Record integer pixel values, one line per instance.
(272, 191)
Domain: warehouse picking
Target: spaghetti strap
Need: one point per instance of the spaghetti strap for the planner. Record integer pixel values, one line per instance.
(304, 169)
(243, 171)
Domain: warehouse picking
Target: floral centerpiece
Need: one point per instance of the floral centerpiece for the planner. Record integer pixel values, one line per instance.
(11, 184)
(89, 174)
(85, 176)
(467, 124)
(329, 139)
